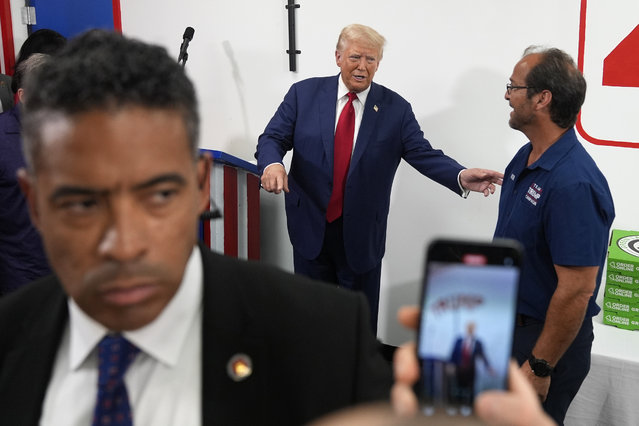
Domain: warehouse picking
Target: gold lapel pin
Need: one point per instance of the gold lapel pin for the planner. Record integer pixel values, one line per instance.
(239, 367)
(375, 108)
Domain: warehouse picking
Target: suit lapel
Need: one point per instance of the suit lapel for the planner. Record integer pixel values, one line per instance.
(368, 125)
(327, 104)
(34, 355)
(228, 329)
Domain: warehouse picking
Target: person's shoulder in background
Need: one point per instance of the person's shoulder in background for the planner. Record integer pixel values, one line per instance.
(6, 96)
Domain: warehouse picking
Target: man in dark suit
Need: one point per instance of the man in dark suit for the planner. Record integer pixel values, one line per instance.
(466, 351)
(22, 257)
(44, 41)
(139, 324)
(337, 216)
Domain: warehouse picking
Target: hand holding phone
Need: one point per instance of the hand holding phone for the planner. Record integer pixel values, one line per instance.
(468, 307)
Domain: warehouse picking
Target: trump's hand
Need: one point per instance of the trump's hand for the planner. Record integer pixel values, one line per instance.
(481, 180)
(274, 178)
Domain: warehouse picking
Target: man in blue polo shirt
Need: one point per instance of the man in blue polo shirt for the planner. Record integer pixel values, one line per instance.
(557, 203)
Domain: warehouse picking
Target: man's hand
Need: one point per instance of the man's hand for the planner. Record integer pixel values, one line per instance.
(518, 406)
(540, 384)
(274, 178)
(481, 180)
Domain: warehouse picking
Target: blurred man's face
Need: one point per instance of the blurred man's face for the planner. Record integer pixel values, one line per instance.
(116, 196)
(358, 63)
(470, 328)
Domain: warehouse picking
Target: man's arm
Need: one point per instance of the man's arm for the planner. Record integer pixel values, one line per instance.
(565, 315)
(439, 167)
(277, 137)
(484, 358)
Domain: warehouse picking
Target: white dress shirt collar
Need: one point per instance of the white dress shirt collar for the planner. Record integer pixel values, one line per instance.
(342, 91)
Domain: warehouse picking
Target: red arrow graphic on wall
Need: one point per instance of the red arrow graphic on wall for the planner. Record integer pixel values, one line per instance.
(621, 66)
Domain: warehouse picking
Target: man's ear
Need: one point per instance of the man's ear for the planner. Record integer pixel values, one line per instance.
(27, 185)
(544, 98)
(204, 164)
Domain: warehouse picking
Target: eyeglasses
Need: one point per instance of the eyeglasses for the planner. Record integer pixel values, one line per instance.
(510, 88)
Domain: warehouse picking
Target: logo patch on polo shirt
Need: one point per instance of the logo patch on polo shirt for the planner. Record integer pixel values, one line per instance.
(534, 193)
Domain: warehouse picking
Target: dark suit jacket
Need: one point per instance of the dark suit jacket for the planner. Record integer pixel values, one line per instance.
(22, 257)
(478, 352)
(310, 344)
(305, 122)
(6, 94)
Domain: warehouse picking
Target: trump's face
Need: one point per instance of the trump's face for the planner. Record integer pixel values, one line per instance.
(358, 62)
(116, 196)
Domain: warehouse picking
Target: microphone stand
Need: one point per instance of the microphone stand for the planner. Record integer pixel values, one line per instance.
(214, 212)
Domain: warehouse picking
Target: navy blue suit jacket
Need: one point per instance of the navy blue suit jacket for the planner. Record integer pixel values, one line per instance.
(22, 257)
(389, 132)
(478, 352)
(6, 95)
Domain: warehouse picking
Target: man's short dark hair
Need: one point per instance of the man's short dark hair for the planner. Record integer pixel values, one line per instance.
(557, 72)
(103, 70)
(41, 41)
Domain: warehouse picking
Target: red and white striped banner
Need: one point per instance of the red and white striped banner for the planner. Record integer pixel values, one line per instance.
(235, 192)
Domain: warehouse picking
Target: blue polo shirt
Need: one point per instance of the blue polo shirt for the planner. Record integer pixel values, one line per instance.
(560, 209)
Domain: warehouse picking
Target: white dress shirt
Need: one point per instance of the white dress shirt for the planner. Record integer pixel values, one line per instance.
(164, 380)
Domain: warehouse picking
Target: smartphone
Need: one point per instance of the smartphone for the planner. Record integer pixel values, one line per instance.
(465, 335)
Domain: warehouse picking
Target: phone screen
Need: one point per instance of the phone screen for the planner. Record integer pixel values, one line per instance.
(467, 322)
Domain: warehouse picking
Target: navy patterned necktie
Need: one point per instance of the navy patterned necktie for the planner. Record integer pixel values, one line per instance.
(112, 408)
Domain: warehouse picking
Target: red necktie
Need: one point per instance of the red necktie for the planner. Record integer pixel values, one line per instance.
(465, 358)
(343, 149)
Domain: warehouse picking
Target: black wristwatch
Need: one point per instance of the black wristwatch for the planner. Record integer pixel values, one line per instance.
(540, 367)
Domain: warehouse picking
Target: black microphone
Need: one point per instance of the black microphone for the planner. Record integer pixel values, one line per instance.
(211, 214)
(186, 38)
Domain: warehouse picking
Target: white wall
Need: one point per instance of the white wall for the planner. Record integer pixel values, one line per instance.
(19, 29)
(451, 60)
